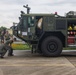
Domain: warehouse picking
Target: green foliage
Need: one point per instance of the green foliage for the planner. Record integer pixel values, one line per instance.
(20, 47)
(2, 29)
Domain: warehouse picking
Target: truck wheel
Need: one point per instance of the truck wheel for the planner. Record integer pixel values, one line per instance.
(51, 46)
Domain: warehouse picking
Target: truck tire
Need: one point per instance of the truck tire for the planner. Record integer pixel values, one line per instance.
(51, 46)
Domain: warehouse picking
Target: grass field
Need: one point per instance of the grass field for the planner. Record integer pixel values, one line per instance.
(26, 47)
(20, 47)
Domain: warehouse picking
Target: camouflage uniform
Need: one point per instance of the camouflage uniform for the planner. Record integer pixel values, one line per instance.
(3, 50)
(2, 37)
(6, 46)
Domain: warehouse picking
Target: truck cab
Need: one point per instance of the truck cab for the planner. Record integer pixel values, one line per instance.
(47, 33)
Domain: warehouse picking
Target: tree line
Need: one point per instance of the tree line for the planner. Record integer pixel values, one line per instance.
(2, 29)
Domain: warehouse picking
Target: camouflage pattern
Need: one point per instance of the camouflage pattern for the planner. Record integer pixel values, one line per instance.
(4, 47)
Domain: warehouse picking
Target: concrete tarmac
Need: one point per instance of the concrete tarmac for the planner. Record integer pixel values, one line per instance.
(25, 63)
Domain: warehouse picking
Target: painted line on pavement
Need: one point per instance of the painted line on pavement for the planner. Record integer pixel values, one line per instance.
(41, 65)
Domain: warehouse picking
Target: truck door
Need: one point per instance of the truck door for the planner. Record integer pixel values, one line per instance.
(39, 27)
(24, 27)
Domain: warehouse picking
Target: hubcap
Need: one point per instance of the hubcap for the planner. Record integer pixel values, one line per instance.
(52, 46)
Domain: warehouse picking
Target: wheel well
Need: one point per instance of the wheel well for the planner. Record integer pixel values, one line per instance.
(57, 34)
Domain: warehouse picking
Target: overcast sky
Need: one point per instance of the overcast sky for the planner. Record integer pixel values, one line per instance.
(10, 9)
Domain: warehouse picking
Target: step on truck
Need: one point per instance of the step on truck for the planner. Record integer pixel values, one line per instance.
(48, 34)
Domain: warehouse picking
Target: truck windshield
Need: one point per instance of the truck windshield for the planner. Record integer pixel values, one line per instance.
(22, 24)
(30, 21)
(24, 21)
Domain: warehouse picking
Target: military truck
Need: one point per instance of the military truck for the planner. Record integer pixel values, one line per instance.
(48, 34)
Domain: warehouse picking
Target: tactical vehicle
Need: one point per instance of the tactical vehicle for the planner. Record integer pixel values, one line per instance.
(47, 33)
